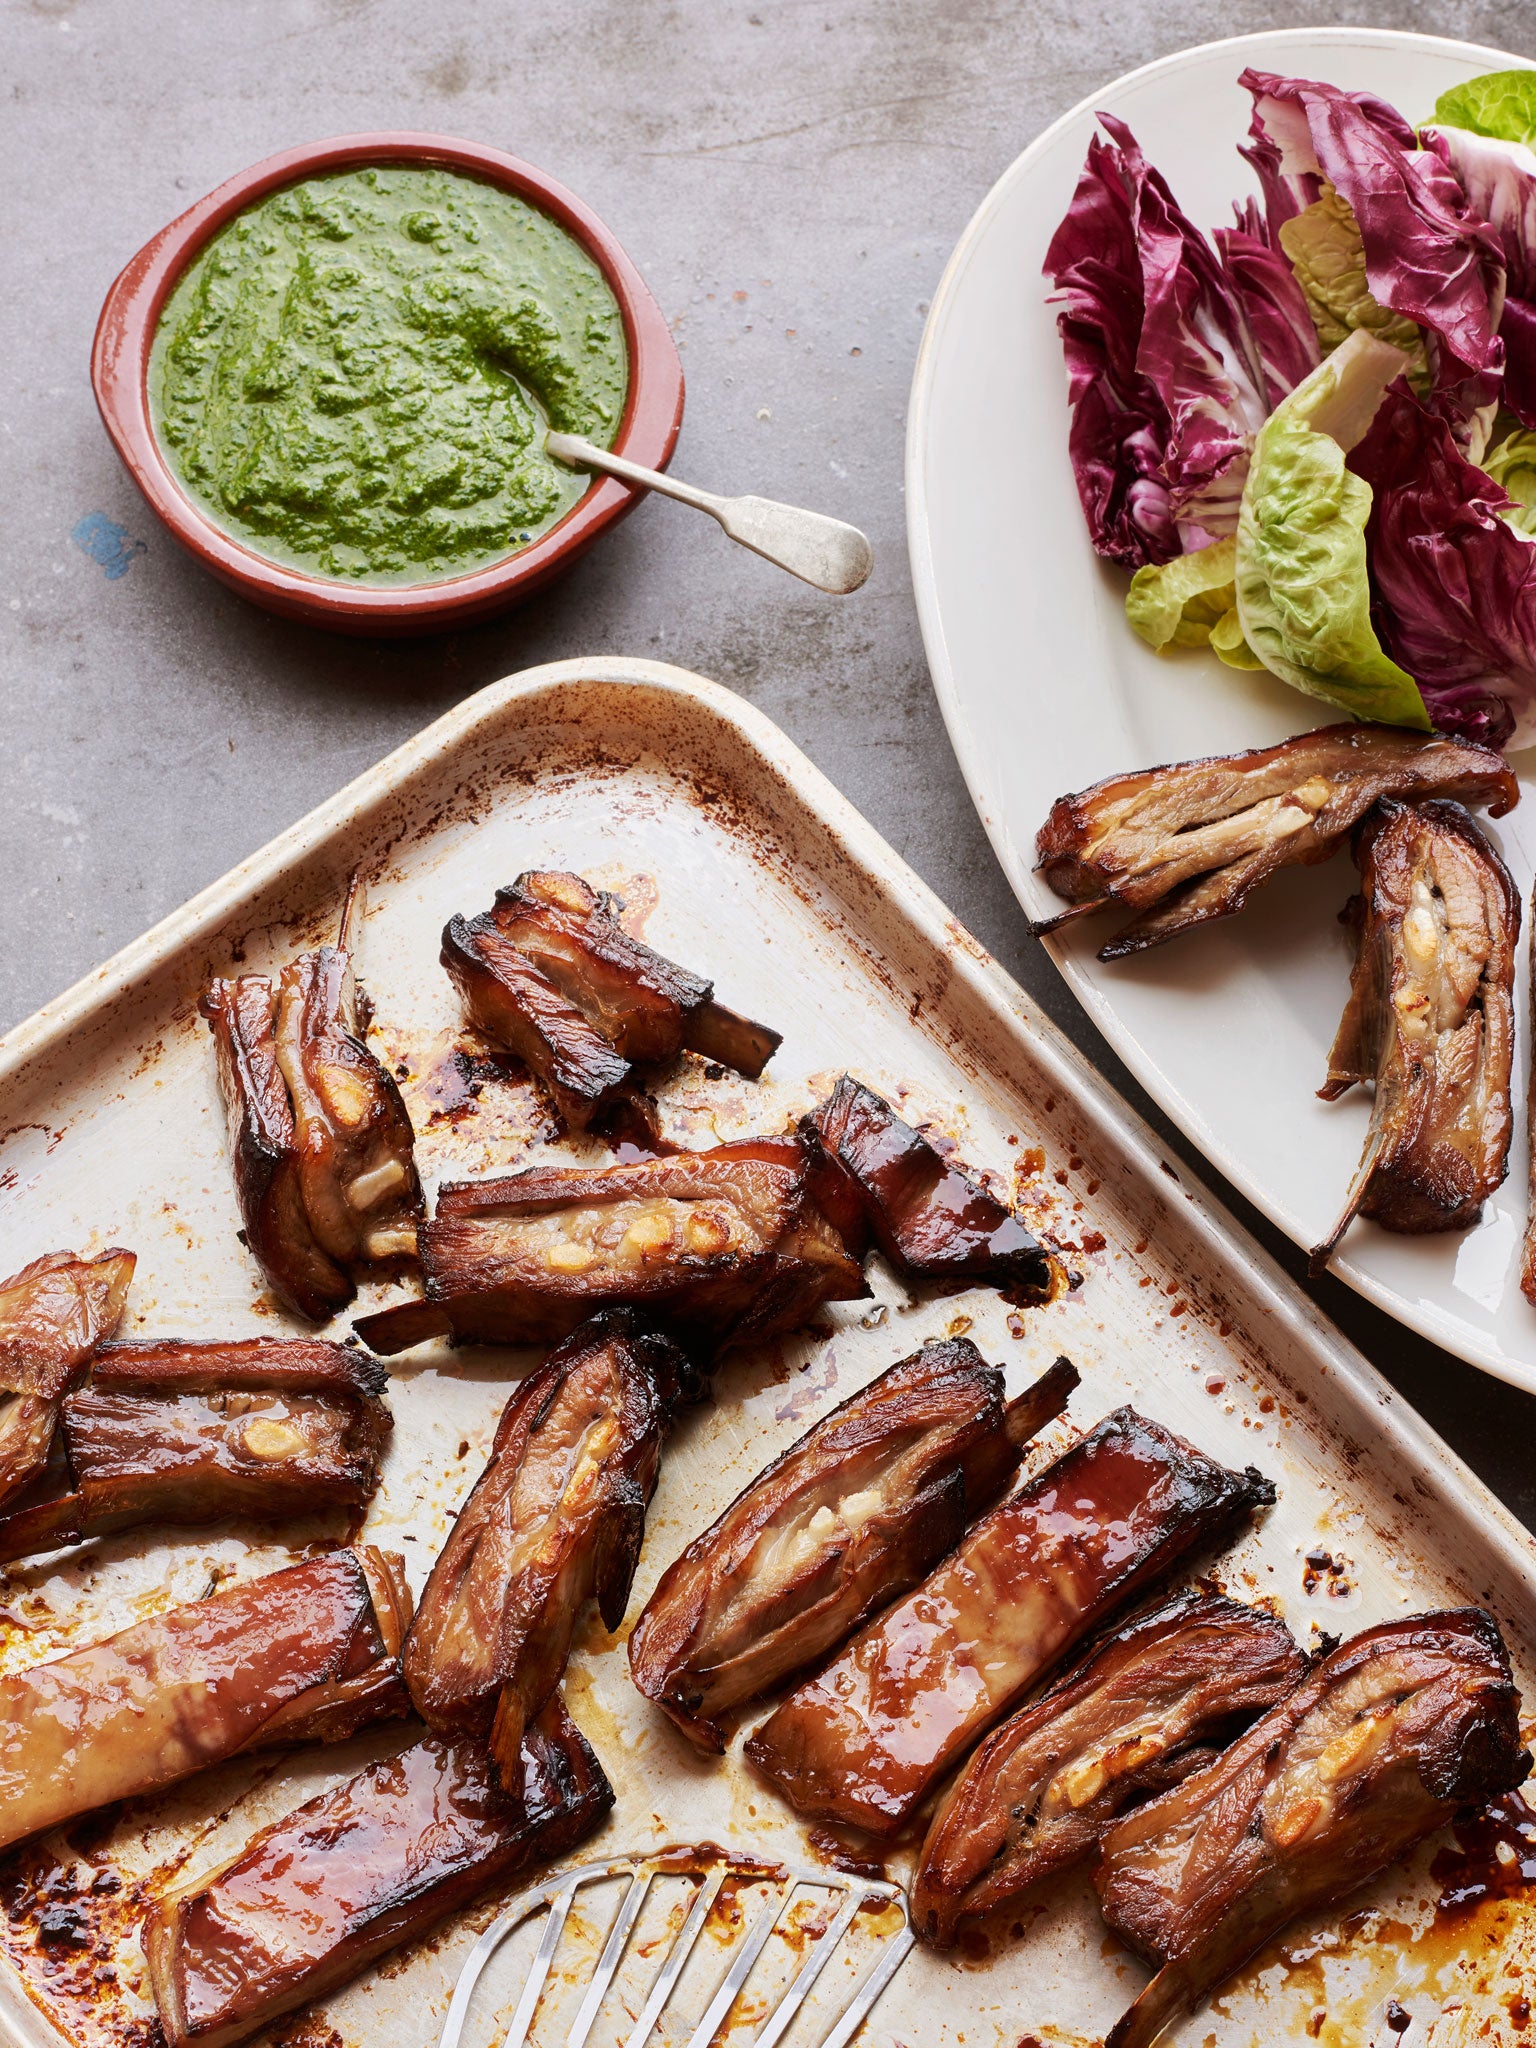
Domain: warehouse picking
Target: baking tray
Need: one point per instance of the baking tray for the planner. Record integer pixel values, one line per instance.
(734, 854)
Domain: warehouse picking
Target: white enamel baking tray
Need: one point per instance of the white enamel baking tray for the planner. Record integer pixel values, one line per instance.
(743, 861)
(1045, 689)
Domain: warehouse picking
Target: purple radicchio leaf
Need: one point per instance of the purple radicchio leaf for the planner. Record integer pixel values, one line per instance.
(1282, 148)
(1277, 313)
(1499, 179)
(1428, 256)
(1454, 584)
(1167, 383)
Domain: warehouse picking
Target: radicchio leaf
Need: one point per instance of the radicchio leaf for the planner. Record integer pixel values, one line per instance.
(1454, 581)
(1499, 179)
(1282, 145)
(1428, 257)
(1168, 379)
(1277, 313)
(1120, 428)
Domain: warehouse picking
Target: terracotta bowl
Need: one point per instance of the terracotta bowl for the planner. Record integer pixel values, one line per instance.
(125, 333)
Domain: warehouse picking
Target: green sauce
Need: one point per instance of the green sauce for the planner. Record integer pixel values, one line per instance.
(354, 377)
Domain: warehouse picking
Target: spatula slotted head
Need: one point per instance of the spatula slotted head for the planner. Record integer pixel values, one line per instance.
(657, 1950)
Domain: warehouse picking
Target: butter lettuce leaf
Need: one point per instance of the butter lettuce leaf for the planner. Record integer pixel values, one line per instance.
(1303, 592)
(1192, 602)
(1227, 641)
(1500, 103)
(1512, 465)
(1176, 604)
(1327, 255)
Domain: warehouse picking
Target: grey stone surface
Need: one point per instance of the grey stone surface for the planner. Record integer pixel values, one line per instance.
(789, 175)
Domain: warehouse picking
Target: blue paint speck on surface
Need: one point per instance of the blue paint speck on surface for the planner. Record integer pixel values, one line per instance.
(107, 543)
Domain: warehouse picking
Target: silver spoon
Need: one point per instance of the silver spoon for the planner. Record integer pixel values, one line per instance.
(827, 552)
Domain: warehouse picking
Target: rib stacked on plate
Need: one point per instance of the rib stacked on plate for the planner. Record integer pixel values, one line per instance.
(1430, 1021)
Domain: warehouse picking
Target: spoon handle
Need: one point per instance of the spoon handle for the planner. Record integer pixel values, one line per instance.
(826, 552)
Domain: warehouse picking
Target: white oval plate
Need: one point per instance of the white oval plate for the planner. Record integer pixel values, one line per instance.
(1045, 689)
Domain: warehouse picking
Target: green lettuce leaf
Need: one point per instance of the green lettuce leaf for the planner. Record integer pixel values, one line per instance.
(1512, 464)
(1175, 604)
(1191, 602)
(1324, 248)
(1500, 103)
(1227, 640)
(1303, 596)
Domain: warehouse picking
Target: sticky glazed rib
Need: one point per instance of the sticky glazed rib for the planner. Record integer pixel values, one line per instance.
(314, 1899)
(1430, 1020)
(1386, 1737)
(931, 1220)
(53, 1314)
(302, 1655)
(550, 974)
(845, 1520)
(184, 1432)
(719, 1246)
(1139, 1714)
(319, 1139)
(1187, 843)
(356, 1168)
(263, 1150)
(208, 1365)
(556, 1517)
(509, 1002)
(866, 1739)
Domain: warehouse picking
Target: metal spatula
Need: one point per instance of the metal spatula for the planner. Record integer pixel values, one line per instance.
(827, 552)
(707, 1868)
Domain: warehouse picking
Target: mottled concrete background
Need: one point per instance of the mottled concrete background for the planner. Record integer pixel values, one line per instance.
(790, 175)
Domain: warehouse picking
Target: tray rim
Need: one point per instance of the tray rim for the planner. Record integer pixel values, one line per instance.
(1371, 1404)
(968, 742)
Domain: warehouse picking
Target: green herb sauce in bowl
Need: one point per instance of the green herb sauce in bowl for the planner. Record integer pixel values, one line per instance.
(354, 376)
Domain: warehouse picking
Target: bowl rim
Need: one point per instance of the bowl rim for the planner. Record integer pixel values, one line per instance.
(130, 315)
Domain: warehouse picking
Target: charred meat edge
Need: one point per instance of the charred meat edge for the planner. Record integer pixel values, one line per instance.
(556, 1517)
(307, 1654)
(320, 1140)
(847, 1518)
(1383, 1741)
(930, 1219)
(1430, 1021)
(1188, 842)
(1146, 1708)
(646, 1006)
(719, 1247)
(185, 1432)
(53, 1315)
(550, 974)
(510, 1003)
(375, 1862)
(864, 1741)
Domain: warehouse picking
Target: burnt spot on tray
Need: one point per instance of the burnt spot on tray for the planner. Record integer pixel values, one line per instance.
(1325, 1573)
